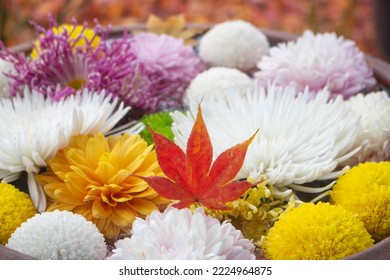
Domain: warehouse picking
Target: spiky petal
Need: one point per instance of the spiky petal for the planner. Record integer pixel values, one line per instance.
(61, 67)
(33, 129)
(300, 140)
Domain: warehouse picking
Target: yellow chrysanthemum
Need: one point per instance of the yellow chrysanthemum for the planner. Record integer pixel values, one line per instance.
(316, 232)
(365, 190)
(92, 177)
(79, 36)
(255, 212)
(15, 208)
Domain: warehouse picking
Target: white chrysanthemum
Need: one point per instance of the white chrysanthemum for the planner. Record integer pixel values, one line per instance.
(5, 67)
(236, 44)
(59, 235)
(219, 82)
(317, 61)
(299, 140)
(373, 110)
(33, 129)
(183, 235)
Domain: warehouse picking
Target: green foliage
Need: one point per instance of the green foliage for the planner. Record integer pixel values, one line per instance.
(160, 122)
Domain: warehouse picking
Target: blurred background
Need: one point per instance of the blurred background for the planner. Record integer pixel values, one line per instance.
(353, 19)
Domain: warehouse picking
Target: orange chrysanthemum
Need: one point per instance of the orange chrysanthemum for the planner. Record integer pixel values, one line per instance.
(91, 177)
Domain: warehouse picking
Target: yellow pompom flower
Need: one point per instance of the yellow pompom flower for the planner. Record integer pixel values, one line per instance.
(16, 207)
(365, 191)
(92, 177)
(316, 232)
(79, 36)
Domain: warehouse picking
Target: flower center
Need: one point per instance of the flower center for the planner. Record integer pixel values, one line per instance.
(77, 83)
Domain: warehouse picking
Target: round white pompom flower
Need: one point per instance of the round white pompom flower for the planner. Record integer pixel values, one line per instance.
(236, 44)
(59, 235)
(217, 82)
(183, 235)
(317, 61)
(373, 112)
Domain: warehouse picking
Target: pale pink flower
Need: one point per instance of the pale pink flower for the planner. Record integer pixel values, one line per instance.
(317, 61)
(181, 234)
(167, 67)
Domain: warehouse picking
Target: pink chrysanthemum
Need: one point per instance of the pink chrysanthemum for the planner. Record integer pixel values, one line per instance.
(61, 67)
(317, 61)
(168, 66)
(183, 235)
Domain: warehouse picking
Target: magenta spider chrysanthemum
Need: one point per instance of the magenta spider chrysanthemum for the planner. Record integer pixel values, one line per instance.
(63, 66)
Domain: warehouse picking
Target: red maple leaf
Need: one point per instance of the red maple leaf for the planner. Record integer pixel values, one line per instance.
(193, 177)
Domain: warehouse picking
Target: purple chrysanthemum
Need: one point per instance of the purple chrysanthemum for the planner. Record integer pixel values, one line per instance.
(117, 70)
(62, 67)
(317, 61)
(168, 66)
